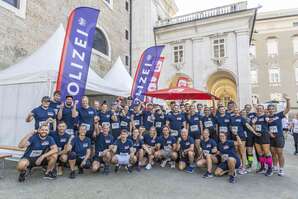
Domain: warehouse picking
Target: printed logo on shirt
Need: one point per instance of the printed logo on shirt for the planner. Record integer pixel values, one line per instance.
(226, 147)
(85, 145)
(45, 143)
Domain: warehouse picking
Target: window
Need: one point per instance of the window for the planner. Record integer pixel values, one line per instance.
(274, 75)
(272, 47)
(109, 3)
(178, 52)
(295, 44)
(126, 5)
(218, 48)
(126, 60)
(255, 99)
(276, 96)
(252, 51)
(16, 6)
(254, 76)
(14, 3)
(100, 42)
(126, 34)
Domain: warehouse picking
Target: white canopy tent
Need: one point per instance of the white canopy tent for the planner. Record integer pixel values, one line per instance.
(118, 76)
(23, 84)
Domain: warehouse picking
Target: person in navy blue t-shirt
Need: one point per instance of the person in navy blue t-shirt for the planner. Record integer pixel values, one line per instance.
(43, 114)
(61, 139)
(67, 113)
(185, 147)
(41, 149)
(86, 116)
(105, 115)
(150, 141)
(166, 148)
(229, 157)
(125, 118)
(103, 149)
(55, 102)
(277, 140)
(124, 152)
(138, 144)
(194, 125)
(159, 120)
(148, 117)
(176, 121)
(208, 122)
(209, 149)
(136, 117)
(80, 152)
(223, 121)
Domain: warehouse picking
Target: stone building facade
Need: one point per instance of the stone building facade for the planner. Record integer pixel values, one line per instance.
(274, 56)
(26, 24)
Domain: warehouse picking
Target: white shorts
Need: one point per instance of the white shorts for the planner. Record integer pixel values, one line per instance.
(123, 159)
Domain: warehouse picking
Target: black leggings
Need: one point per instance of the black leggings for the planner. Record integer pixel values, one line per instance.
(295, 135)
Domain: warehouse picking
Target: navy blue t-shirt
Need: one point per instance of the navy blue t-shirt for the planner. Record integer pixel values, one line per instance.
(86, 117)
(164, 142)
(185, 144)
(55, 106)
(38, 146)
(151, 141)
(67, 117)
(261, 124)
(223, 123)
(159, 122)
(137, 118)
(275, 123)
(238, 123)
(176, 123)
(194, 122)
(41, 114)
(148, 119)
(123, 147)
(103, 142)
(105, 117)
(137, 143)
(60, 140)
(125, 121)
(208, 122)
(227, 148)
(80, 146)
(208, 145)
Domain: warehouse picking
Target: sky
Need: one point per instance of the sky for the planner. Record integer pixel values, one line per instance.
(188, 6)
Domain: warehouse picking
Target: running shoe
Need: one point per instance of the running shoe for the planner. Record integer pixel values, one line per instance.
(138, 168)
(49, 176)
(232, 179)
(148, 167)
(207, 175)
(60, 171)
(116, 168)
(164, 163)
(242, 171)
(275, 170)
(129, 169)
(22, 176)
(281, 172)
(189, 169)
(269, 172)
(72, 175)
(172, 164)
(261, 170)
(81, 170)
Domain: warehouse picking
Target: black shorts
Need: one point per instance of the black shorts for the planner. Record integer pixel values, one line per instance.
(263, 139)
(79, 162)
(33, 160)
(250, 140)
(243, 138)
(278, 141)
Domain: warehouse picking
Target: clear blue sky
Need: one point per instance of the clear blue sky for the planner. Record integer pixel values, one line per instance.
(187, 6)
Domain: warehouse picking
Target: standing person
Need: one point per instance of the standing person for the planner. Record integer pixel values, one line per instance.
(208, 122)
(159, 120)
(150, 141)
(103, 149)
(105, 115)
(97, 107)
(176, 121)
(123, 152)
(262, 142)
(200, 110)
(230, 109)
(40, 150)
(137, 117)
(186, 148)
(138, 145)
(229, 158)
(209, 148)
(55, 102)
(250, 139)
(43, 114)
(277, 140)
(223, 120)
(67, 113)
(194, 126)
(239, 124)
(115, 122)
(61, 139)
(166, 148)
(79, 152)
(86, 116)
(148, 117)
(125, 119)
(294, 127)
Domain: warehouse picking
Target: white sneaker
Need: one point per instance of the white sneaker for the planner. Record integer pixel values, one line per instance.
(148, 167)
(281, 172)
(173, 165)
(275, 170)
(242, 171)
(163, 163)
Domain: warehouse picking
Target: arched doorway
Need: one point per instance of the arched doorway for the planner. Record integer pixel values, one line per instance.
(223, 85)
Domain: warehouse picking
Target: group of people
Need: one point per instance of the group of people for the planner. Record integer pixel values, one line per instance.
(140, 135)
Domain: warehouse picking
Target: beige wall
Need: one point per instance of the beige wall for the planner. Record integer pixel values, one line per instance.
(22, 36)
(283, 30)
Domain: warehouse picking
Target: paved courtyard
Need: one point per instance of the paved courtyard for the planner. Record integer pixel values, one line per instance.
(157, 183)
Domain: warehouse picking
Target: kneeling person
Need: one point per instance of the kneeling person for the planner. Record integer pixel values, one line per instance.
(103, 150)
(166, 148)
(41, 149)
(124, 152)
(186, 151)
(80, 152)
